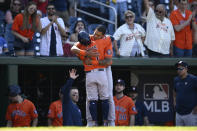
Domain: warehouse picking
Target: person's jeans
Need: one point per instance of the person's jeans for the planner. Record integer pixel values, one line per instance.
(120, 8)
(182, 52)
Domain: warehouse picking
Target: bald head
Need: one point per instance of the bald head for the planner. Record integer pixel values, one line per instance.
(161, 6)
(160, 11)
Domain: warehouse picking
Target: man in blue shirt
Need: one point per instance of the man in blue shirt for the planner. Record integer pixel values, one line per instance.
(141, 118)
(71, 112)
(185, 96)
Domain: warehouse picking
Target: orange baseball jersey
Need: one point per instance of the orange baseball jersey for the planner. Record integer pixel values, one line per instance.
(55, 113)
(124, 107)
(184, 37)
(21, 114)
(17, 26)
(102, 46)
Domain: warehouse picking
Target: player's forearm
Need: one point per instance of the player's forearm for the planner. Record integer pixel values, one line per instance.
(35, 122)
(75, 49)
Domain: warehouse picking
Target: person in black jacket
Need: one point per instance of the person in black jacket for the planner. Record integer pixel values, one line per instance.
(71, 112)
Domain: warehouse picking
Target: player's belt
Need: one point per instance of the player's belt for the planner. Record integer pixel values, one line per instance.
(94, 70)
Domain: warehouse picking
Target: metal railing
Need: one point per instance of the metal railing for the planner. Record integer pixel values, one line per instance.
(95, 16)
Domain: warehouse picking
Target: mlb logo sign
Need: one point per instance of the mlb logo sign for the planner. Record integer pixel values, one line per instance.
(156, 91)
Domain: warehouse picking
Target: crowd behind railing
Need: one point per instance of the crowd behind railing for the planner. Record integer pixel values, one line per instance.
(147, 28)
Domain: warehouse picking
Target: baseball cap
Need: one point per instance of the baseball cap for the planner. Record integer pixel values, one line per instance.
(132, 89)
(181, 63)
(14, 90)
(120, 81)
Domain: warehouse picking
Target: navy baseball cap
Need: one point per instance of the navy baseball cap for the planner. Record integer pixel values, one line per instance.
(132, 89)
(181, 63)
(14, 90)
(120, 81)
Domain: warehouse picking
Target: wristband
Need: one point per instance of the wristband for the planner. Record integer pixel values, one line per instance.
(82, 52)
(95, 62)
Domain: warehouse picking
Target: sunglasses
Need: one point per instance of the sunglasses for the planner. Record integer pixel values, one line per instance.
(50, 8)
(179, 68)
(158, 11)
(130, 16)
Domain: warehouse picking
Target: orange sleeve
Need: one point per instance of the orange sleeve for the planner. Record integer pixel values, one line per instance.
(18, 21)
(33, 111)
(51, 113)
(108, 49)
(173, 18)
(132, 108)
(82, 48)
(8, 113)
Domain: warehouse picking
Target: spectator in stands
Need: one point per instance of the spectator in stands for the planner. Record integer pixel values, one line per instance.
(131, 36)
(41, 4)
(79, 26)
(67, 44)
(52, 29)
(136, 7)
(20, 112)
(3, 46)
(61, 9)
(173, 5)
(194, 27)
(124, 106)
(121, 7)
(15, 9)
(182, 20)
(160, 32)
(55, 116)
(24, 26)
(141, 118)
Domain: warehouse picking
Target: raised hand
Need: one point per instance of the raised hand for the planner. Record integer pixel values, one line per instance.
(73, 74)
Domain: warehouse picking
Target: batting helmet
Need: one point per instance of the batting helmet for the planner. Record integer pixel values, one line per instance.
(84, 38)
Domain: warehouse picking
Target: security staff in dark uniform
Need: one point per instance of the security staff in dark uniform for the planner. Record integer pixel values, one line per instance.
(185, 96)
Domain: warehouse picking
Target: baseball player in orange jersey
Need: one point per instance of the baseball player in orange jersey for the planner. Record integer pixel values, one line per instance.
(111, 114)
(96, 57)
(21, 112)
(55, 116)
(124, 106)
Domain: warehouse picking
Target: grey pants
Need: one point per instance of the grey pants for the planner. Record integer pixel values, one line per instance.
(186, 120)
